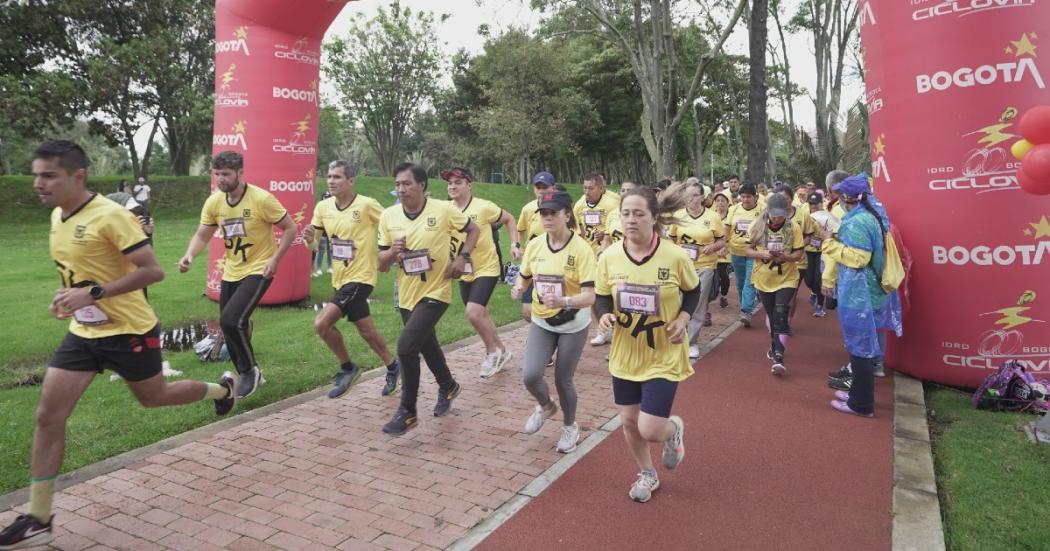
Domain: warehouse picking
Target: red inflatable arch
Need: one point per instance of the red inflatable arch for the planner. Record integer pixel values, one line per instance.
(267, 69)
(947, 83)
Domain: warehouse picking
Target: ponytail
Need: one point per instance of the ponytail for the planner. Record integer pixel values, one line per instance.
(867, 206)
(758, 233)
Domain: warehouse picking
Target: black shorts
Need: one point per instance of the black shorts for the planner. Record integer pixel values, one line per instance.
(526, 297)
(352, 300)
(478, 291)
(656, 396)
(133, 357)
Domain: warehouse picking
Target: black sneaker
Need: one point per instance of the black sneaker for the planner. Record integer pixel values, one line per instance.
(402, 422)
(26, 531)
(778, 367)
(344, 380)
(842, 372)
(224, 405)
(769, 354)
(444, 402)
(841, 384)
(392, 379)
(249, 383)
(722, 302)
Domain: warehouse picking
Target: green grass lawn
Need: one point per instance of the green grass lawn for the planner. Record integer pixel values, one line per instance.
(993, 482)
(108, 421)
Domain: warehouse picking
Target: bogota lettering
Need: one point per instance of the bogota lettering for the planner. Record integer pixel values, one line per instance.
(984, 75)
(1002, 255)
(293, 94)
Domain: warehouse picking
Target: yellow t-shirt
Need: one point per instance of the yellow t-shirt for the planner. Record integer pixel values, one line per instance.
(738, 221)
(837, 211)
(484, 261)
(529, 222)
(813, 240)
(693, 234)
(88, 248)
(773, 276)
(724, 259)
(430, 231)
(640, 348)
(592, 219)
(565, 270)
(352, 236)
(809, 228)
(247, 228)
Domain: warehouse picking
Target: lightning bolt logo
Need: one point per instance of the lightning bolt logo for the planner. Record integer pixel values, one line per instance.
(301, 215)
(995, 134)
(227, 77)
(303, 125)
(1011, 317)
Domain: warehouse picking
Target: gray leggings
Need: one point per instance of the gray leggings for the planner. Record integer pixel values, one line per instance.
(538, 349)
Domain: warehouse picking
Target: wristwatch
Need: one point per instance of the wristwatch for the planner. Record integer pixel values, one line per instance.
(517, 244)
(97, 291)
(465, 254)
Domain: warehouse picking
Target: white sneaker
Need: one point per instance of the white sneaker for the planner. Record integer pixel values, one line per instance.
(643, 488)
(535, 421)
(674, 447)
(694, 351)
(504, 357)
(317, 273)
(490, 365)
(601, 338)
(569, 437)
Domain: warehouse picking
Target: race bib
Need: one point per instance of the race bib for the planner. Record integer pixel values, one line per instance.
(90, 315)
(546, 285)
(743, 225)
(815, 242)
(592, 217)
(416, 262)
(638, 299)
(692, 249)
(775, 244)
(233, 227)
(343, 249)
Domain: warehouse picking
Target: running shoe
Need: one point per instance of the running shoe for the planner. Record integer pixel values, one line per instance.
(674, 447)
(723, 302)
(745, 318)
(879, 369)
(843, 372)
(844, 408)
(26, 531)
(445, 398)
(813, 300)
(224, 405)
(819, 312)
(601, 338)
(249, 383)
(694, 352)
(778, 364)
(643, 488)
(769, 354)
(541, 414)
(841, 384)
(504, 357)
(551, 363)
(402, 422)
(707, 319)
(393, 376)
(842, 395)
(570, 436)
(493, 363)
(344, 380)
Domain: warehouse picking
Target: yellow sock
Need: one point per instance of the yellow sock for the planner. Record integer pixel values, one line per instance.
(40, 492)
(215, 391)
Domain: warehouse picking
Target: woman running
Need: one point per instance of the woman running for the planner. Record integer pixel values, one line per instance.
(647, 290)
(738, 222)
(701, 233)
(775, 244)
(721, 289)
(559, 268)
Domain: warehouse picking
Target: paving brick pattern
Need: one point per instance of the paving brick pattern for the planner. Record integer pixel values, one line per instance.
(322, 475)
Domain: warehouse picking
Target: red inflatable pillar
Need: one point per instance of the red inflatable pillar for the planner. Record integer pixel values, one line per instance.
(267, 69)
(946, 85)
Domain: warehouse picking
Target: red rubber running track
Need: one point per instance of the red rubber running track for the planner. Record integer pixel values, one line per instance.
(769, 465)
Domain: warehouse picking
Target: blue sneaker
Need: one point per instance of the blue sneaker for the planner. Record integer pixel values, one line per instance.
(392, 379)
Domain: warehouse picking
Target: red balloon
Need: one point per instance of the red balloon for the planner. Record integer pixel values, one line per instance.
(1032, 186)
(1035, 125)
(1036, 163)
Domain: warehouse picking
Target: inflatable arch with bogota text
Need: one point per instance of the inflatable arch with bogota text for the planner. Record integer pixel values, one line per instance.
(947, 82)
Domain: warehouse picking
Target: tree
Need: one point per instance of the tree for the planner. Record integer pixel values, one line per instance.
(758, 144)
(384, 69)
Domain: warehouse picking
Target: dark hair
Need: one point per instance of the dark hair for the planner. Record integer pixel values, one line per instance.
(419, 175)
(349, 170)
(69, 155)
(664, 207)
(663, 184)
(785, 188)
(747, 188)
(733, 177)
(867, 206)
(571, 223)
(228, 159)
(594, 177)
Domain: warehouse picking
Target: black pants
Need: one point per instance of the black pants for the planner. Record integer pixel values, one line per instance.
(812, 276)
(420, 337)
(237, 301)
(862, 391)
(720, 286)
(778, 306)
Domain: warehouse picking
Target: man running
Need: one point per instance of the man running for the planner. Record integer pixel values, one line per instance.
(246, 215)
(417, 234)
(530, 224)
(593, 212)
(349, 220)
(482, 273)
(104, 261)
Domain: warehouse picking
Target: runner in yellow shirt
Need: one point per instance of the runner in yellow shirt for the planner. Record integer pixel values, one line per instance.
(530, 224)
(349, 219)
(593, 212)
(246, 215)
(104, 262)
(721, 289)
(799, 216)
(776, 245)
(701, 233)
(417, 234)
(738, 221)
(647, 289)
(484, 270)
(614, 229)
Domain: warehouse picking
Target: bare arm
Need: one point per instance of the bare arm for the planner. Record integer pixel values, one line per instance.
(147, 272)
(197, 244)
(289, 232)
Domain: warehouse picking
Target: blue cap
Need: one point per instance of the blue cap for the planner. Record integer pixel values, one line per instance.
(854, 186)
(545, 178)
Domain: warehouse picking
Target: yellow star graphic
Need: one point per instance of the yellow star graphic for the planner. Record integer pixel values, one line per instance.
(1008, 50)
(1042, 229)
(880, 147)
(241, 32)
(1028, 233)
(238, 128)
(1023, 46)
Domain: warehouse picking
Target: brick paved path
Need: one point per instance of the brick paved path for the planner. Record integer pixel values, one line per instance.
(321, 475)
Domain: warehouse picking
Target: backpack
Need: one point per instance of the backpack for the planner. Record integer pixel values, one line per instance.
(1011, 388)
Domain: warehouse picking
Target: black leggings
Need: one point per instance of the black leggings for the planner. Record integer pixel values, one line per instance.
(813, 276)
(420, 336)
(777, 306)
(237, 301)
(723, 280)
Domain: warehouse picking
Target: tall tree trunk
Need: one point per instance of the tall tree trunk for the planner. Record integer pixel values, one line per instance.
(758, 143)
